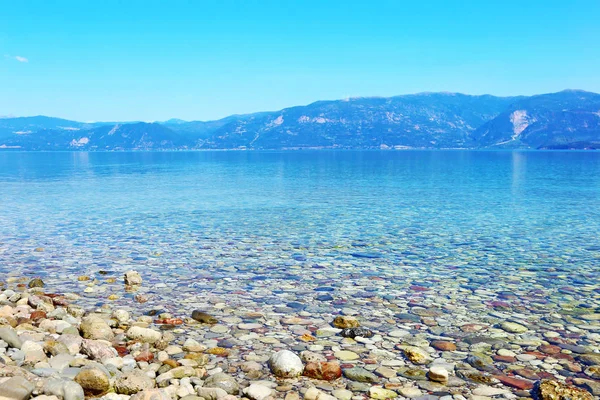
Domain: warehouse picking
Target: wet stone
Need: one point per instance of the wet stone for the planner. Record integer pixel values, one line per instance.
(360, 374)
(354, 332)
(203, 317)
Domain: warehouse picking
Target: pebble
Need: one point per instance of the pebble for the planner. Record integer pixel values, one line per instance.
(257, 392)
(438, 374)
(286, 364)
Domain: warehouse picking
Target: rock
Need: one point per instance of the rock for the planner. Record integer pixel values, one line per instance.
(315, 394)
(482, 362)
(346, 355)
(416, 355)
(16, 388)
(443, 345)
(327, 371)
(36, 283)
(132, 278)
(489, 391)
(61, 361)
(65, 389)
(380, 393)
(342, 394)
(386, 372)
(121, 315)
(438, 374)
(98, 349)
(416, 374)
(34, 352)
(343, 322)
(286, 364)
(222, 381)
(193, 346)
(311, 357)
(513, 327)
(93, 380)
(211, 393)
(203, 317)
(587, 359)
(591, 386)
(175, 373)
(257, 392)
(515, 382)
(410, 391)
(151, 394)
(9, 335)
(552, 390)
(354, 332)
(96, 328)
(593, 372)
(133, 382)
(144, 335)
(360, 374)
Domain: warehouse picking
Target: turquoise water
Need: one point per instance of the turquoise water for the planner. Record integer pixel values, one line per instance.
(225, 221)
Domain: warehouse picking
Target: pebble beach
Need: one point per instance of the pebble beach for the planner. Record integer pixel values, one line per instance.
(116, 336)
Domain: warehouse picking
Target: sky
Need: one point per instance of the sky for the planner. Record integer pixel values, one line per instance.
(202, 60)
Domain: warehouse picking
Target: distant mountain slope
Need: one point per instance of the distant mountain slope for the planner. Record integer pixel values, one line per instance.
(421, 120)
(27, 125)
(137, 136)
(568, 119)
(556, 120)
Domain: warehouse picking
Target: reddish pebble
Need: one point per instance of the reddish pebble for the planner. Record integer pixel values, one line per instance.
(370, 361)
(417, 288)
(347, 365)
(537, 354)
(60, 301)
(527, 373)
(549, 349)
(122, 350)
(323, 370)
(563, 356)
(37, 315)
(545, 375)
(145, 356)
(515, 382)
(443, 345)
(572, 367)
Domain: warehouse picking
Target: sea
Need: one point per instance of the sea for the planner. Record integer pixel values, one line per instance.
(271, 230)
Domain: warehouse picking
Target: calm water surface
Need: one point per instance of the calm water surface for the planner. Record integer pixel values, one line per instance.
(483, 220)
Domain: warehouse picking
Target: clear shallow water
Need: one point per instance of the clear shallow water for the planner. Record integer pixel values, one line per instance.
(527, 223)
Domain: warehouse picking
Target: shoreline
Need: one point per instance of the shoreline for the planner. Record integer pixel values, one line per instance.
(419, 348)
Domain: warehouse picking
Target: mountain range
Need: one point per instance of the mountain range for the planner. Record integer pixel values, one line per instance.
(565, 120)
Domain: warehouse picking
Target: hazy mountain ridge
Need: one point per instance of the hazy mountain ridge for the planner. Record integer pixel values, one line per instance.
(567, 119)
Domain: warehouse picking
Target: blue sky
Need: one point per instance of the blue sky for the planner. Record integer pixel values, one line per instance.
(155, 60)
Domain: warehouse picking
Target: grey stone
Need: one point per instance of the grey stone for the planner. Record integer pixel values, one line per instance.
(360, 374)
(223, 381)
(16, 388)
(133, 382)
(9, 335)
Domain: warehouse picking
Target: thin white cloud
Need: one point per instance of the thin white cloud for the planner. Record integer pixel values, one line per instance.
(18, 58)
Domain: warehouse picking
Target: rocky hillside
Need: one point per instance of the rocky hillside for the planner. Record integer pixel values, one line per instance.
(568, 119)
